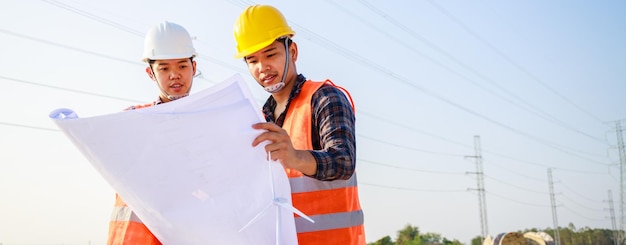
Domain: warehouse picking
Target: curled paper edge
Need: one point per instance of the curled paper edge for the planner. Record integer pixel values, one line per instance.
(63, 113)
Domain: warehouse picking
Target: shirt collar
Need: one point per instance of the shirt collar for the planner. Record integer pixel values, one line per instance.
(270, 103)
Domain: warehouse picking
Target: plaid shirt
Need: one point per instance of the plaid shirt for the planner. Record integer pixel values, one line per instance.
(333, 131)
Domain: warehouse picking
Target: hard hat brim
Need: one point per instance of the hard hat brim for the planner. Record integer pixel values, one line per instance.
(259, 46)
(169, 57)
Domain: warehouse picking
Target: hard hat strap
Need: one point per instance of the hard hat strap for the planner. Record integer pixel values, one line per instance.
(277, 87)
(170, 97)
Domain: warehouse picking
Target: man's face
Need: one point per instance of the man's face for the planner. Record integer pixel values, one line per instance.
(267, 64)
(173, 76)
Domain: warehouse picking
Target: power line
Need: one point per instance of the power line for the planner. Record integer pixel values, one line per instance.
(369, 63)
(118, 98)
(400, 125)
(409, 189)
(95, 17)
(545, 165)
(582, 216)
(135, 62)
(537, 111)
(515, 186)
(516, 201)
(110, 57)
(124, 28)
(198, 76)
(408, 148)
(396, 23)
(67, 89)
(324, 42)
(578, 194)
(27, 126)
(580, 205)
(68, 47)
(410, 169)
(107, 22)
(508, 59)
(517, 173)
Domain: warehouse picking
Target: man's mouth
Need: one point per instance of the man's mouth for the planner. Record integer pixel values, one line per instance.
(269, 79)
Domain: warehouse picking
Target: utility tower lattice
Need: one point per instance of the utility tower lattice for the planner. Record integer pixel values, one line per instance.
(612, 212)
(622, 160)
(555, 220)
(480, 187)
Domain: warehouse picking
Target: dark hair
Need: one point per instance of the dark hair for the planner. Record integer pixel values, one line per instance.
(281, 40)
(150, 62)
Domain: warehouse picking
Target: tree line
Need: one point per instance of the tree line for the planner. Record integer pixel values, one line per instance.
(570, 235)
(410, 235)
(583, 236)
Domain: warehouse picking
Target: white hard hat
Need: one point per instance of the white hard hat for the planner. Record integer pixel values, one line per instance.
(167, 41)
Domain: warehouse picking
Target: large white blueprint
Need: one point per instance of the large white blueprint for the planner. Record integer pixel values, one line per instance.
(187, 167)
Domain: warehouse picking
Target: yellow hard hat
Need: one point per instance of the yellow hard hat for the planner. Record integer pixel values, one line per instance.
(257, 27)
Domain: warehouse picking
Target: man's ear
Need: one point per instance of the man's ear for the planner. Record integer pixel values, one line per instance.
(293, 51)
(150, 74)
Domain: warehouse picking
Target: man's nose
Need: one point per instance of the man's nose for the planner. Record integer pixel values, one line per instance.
(174, 74)
(263, 66)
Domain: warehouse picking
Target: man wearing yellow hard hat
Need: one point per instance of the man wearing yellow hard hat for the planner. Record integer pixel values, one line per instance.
(311, 129)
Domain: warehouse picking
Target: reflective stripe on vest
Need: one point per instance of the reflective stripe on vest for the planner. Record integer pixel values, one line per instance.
(330, 221)
(125, 228)
(334, 205)
(124, 214)
(306, 184)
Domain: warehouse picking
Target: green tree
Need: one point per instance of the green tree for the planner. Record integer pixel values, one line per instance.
(409, 236)
(430, 238)
(602, 236)
(477, 240)
(448, 242)
(383, 241)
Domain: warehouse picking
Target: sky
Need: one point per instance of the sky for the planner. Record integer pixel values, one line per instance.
(527, 87)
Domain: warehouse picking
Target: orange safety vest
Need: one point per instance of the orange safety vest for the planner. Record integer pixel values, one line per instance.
(125, 228)
(333, 205)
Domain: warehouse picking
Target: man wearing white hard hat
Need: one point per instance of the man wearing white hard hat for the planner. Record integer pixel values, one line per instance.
(169, 53)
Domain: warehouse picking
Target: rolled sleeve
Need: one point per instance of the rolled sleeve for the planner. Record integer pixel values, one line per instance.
(333, 134)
